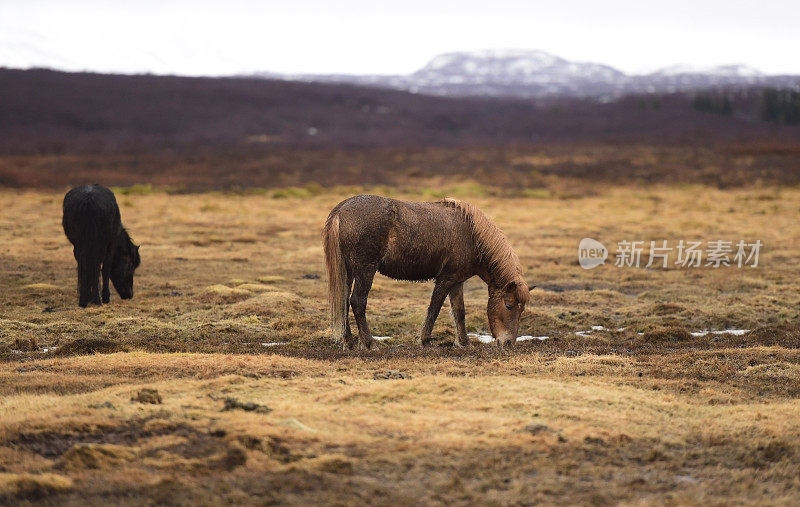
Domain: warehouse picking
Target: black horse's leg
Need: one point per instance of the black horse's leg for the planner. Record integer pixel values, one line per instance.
(106, 271)
(358, 301)
(83, 285)
(94, 284)
(88, 278)
(457, 309)
(440, 291)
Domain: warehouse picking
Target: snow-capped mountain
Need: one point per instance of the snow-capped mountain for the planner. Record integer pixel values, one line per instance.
(531, 67)
(497, 72)
(719, 70)
(531, 73)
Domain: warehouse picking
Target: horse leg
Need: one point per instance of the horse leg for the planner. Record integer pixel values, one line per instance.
(358, 301)
(88, 279)
(83, 286)
(457, 309)
(94, 284)
(440, 291)
(106, 271)
(350, 341)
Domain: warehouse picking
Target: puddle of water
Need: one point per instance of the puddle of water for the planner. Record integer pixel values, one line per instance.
(272, 344)
(381, 338)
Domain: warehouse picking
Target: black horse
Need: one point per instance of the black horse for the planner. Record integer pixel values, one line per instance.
(100, 242)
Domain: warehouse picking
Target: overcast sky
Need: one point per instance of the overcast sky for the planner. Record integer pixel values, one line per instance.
(362, 37)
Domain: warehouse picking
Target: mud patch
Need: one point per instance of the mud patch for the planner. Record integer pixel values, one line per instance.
(53, 444)
(86, 346)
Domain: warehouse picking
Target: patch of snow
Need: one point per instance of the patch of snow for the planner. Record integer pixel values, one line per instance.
(525, 338)
(381, 338)
(594, 328)
(272, 344)
(483, 338)
(734, 332)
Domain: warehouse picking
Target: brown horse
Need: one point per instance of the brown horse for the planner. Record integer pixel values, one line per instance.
(448, 241)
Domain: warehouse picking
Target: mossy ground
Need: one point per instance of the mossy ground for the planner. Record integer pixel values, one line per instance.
(647, 414)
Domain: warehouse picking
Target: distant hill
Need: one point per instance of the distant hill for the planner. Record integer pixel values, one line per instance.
(44, 111)
(531, 73)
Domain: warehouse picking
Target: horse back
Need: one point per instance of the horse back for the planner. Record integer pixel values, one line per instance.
(91, 217)
(404, 240)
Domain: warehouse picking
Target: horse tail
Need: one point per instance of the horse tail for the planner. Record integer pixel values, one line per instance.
(338, 289)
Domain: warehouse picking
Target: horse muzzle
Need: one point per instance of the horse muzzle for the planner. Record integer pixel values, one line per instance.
(504, 340)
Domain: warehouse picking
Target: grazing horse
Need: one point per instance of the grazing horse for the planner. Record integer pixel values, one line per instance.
(100, 243)
(448, 241)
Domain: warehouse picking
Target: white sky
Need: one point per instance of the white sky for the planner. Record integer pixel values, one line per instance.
(372, 36)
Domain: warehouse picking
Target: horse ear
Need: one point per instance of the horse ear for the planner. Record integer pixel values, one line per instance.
(510, 293)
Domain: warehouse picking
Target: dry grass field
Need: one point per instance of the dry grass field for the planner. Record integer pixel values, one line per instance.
(252, 404)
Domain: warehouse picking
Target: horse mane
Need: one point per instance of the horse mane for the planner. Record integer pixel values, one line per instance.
(493, 246)
(128, 245)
